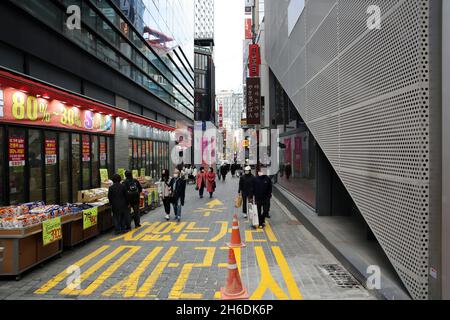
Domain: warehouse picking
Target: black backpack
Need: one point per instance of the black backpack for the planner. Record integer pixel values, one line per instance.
(133, 192)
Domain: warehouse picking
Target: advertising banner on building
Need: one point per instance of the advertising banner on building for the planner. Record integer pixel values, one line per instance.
(248, 28)
(50, 151)
(24, 108)
(254, 60)
(253, 101)
(16, 152)
(220, 115)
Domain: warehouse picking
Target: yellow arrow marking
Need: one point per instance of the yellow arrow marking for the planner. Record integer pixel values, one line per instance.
(214, 203)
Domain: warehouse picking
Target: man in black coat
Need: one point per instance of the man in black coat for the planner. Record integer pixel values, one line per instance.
(178, 186)
(262, 191)
(134, 190)
(117, 195)
(246, 189)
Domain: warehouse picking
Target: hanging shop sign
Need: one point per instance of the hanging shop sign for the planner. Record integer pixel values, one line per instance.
(51, 230)
(104, 175)
(86, 149)
(254, 60)
(121, 173)
(102, 151)
(253, 101)
(23, 108)
(16, 151)
(90, 217)
(50, 151)
(220, 115)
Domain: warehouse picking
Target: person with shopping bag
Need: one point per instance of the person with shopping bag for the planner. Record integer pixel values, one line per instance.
(211, 182)
(262, 191)
(246, 189)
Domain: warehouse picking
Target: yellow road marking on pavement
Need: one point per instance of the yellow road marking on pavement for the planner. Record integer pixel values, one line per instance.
(184, 238)
(177, 289)
(222, 233)
(174, 265)
(128, 287)
(249, 235)
(214, 203)
(60, 277)
(267, 281)
(163, 231)
(287, 274)
(93, 269)
(144, 290)
(270, 233)
(129, 236)
(218, 210)
(109, 271)
(207, 214)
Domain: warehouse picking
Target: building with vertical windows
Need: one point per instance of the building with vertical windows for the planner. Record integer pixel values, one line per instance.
(361, 105)
(105, 89)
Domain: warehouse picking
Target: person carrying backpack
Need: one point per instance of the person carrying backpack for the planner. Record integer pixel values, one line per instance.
(134, 190)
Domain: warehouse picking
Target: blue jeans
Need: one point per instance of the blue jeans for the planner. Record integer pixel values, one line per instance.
(177, 208)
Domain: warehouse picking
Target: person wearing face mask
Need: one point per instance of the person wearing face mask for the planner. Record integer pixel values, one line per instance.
(246, 188)
(262, 191)
(178, 186)
(211, 182)
(201, 181)
(165, 193)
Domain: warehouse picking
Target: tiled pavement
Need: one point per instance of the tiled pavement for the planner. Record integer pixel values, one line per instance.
(166, 260)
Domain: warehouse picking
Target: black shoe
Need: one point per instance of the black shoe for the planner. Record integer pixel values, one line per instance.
(268, 216)
(138, 226)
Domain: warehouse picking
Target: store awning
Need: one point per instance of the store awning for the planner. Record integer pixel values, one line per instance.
(46, 90)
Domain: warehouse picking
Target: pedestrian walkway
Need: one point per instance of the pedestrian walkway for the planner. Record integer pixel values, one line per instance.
(188, 260)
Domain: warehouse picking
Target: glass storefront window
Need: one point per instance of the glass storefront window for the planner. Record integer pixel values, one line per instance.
(64, 153)
(51, 167)
(110, 155)
(35, 164)
(76, 165)
(86, 162)
(103, 153)
(95, 163)
(16, 154)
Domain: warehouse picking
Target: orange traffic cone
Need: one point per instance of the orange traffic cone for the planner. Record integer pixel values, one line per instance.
(234, 290)
(235, 235)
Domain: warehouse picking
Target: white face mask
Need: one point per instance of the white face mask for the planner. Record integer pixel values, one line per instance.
(176, 175)
(260, 174)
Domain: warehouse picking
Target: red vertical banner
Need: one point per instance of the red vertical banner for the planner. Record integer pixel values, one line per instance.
(298, 154)
(248, 29)
(254, 60)
(287, 151)
(50, 151)
(86, 149)
(16, 152)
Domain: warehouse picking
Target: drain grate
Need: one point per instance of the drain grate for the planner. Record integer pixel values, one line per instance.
(340, 276)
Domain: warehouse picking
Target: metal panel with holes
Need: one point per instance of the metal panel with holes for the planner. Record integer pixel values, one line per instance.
(364, 94)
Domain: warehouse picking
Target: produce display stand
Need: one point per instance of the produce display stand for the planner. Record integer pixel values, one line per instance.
(73, 232)
(22, 249)
(105, 220)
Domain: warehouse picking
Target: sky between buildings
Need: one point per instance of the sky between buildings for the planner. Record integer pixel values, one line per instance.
(229, 37)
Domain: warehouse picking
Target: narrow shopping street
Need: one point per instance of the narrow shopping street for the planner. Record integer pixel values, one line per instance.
(188, 260)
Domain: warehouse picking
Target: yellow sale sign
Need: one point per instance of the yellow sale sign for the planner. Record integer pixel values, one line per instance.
(90, 217)
(51, 230)
(104, 175)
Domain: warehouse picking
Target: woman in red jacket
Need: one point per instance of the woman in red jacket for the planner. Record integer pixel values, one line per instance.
(201, 181)
(211, 182)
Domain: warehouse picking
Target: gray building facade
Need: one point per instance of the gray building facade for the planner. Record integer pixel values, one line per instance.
(370, 91)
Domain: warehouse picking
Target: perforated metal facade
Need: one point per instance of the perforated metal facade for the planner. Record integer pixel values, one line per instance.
(365, 95)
